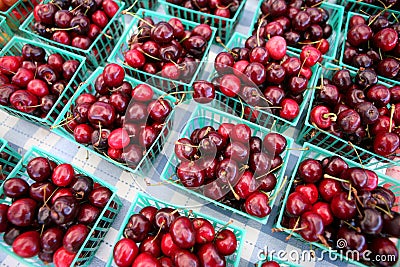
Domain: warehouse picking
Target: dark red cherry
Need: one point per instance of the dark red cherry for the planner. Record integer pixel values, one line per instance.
(64, 209)
(125, 252)
(51, 240)
(27, 244)
(182, 232)
(22, 212)
(209, 256)
(137, 228)
(113, 75)
(343, 207)
(15, 188)
(204, 231)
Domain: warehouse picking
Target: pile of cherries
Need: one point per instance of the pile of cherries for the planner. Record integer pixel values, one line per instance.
(331, 202)
(32, 84)
(75, 23)
(167, 47)
(230, 165)
(168, 239)
(222, 8)
(374, 44)
(118, 121)
(262, 75)
(301, 23)
(51, 211)
(359, 110)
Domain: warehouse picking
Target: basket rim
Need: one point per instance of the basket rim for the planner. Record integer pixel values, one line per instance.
(165, 176)
(25, 28)
(306, 93)
(343, 46)
(238, 11)
(142, 195)
(327, 4)
(92, 77)
(320, 150)
(35, 152)
(113, 58)
(82, 61)
(308, 124)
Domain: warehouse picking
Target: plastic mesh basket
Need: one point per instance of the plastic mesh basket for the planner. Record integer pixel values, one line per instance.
(98, 230)
(336, 13)
(8, 159)
(225, 26)
(263, 117)
(143, 200)
(315, 152)
(14, 47)
(357, 5)
(336, 145)
(5, 32)
(117, 56)
(18, 12)
(372, 10)
(206, 116)
(101, 47)
(151, 153)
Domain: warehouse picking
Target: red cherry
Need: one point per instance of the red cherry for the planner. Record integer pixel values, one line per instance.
(226, 242)
(205, 231)
(142, 93)
(297, 204)
(168, 247)
(230, 85)
(27, 244)
(118, 138)
(324, 211)
(113, 74)
(63, 258)
(110, 7)
(309, 191)
(276, 47)
(320, 116)
(135, 58)
(310, 56)
(125, 252)
(63, 175)
(182, 232)
(257, 204)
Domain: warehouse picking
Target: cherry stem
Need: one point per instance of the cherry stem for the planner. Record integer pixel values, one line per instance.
(388, 213)
(106, 35)
(270, 171)
(259, 27)
(331, 116)
(323, 241)
(7, 70)
(218, 39)
(327, 176)
(358, 156)
(47, 200)
(61, 29)
(226, 7)
(276, 230)
(357, 229)
(244, 167)
(63, 122)
(233, 191)
(132, 6)
(276, 193)
(349, 196)
(223, 228)
(357, 198)
(124, 12)
(34, 106)
(327, 68)
(242, 107)
(182, 144)
(294, 227)
(306, 43)
(41, 230)
(76, 8)
(302, 64)
(392, 108)
(159, 231)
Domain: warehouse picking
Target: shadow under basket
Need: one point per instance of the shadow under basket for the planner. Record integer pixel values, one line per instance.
(97, 232)
(143, 200)
(225, 26)
(206, 116)
(265, 117)
(14, 48)
(98, 52)
(317, 153)
(311, 134)
(151, 153)
(8, 159)
(156, 80)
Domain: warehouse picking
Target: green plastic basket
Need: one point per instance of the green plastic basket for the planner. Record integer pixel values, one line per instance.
(5, 32)
(11, 160)
(146, 4)
(17, 13)
(336, 14)
(98, 51)
(264, 118)
(162, 83)
(207, 116)
(374, 11)
(14, 47)
(98, 230)
(151, 153)
(225, 26)
(356, 5)
(318, 153)
(336, 145)
(143, 200)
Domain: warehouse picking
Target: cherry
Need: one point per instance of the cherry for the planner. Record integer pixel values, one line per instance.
(182, 232)
(27, 244)
(135, 58)
(274, 143)
(223, 63)
(125, 252)
(226, 242)
(23, 77)
(256, 73)
(359, 34)
(61, 192)
(63, 175)
(320, 116)
(3, 217)
(74, 237)
(310, 170)
(386, 39)
(101, 112)
(64, 209)
(22, 212)
(190, 174)
(324, 211)
(270, 264)
(310, 56)
(290, 109)
(383, 246)
(257, 204)
(83, 133)
(274, 94)
(386, 144)
(100, 196)
(185, 149)
(63, 257)
(88, 214)
(41, 191)
(204, 92)
(328, 188)
(185, 258)
(209, 165)
(240, 133)
(209, 256)
(297, 204)
(15, 188)
(24, 101)
(379, 94)
(246, 185)
(113, 75)
(354, 240)
(349, 120)
(309, 191)
(371, 221)
(230, 85)
(227, 172)
(204, 231)
(313, 226)
(51, 240)
(159, 110)
(276, 47)
(168, 247)
(343, 207)
(137, 228)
